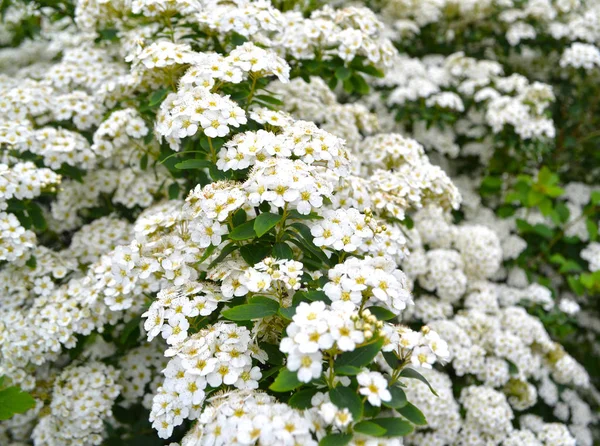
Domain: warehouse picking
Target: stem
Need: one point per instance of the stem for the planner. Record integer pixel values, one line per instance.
(281, 224)
(180, 153)
(212, 150)
(251, 95)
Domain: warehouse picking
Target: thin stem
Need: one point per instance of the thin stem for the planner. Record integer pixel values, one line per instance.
(251, 95)
(212, 150)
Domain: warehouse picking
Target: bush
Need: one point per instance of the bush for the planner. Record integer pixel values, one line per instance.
(284, 223)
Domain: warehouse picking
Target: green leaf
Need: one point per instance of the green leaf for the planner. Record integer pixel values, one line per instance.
(287, 312)
(343, 73)
(413, 374)
(286, 381)
(173, 191)
(282, 251)
(383, 314)
(67, 170)
(228, 249)
(243, 232)
(37, 216)
(268, 99)
(398, 398)
(570, 266)
(412, 414)
(345, 397)
(298, 216)
(13, 400)
(193, 164)
(361, 356)
(335, 440)
(157, 97)
(302, 399)
(131, 328)
(543, 230)
(392, 359)
(490, 185)
(265, 222)
(239, 217)
(534, 198)
(255, 252)
(394, 427)
(347, 370)
(258, 308)
(144, 161)
(359, 84)
(575, 285)
(595, 197)
(275, 356)
(592, 228)
(310, 296)
(370, 428)
(31, 263)
(563, 212)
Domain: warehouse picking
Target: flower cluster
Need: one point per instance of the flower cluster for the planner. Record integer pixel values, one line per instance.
(220, 355)
(82, 399)
(284, 223)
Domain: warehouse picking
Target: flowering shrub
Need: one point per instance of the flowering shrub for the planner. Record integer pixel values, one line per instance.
(292, 223)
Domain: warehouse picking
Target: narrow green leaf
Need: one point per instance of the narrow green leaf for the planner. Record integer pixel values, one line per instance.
(265, 222)
(412, 414)
(255, 310)
(394, 427)
(144, 161)
(193, 164)
(228, 249)
(383, 314)
(173, 191)
(370, 428)
(347, 370)
(286, 381)
(37, 216)
(268, 99)
(275, 356)
(335, 440)
(243, 232)
(302, 399)
(239, 217)
(254, 252)
(283, 251)
(157, 97)
(287, 312)
(398, 398)
(413, 374)
(361, 356)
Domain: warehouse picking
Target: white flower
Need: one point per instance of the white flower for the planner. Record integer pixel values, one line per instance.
(308, 365)
(374, 386)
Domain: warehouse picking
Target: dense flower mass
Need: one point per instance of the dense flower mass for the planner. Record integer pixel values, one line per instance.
(261, 222)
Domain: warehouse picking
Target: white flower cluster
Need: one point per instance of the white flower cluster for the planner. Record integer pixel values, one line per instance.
(494, 102)
(591, 253)
(86, 108)
(314, 101)
(24, 181)
(82, 399)
(244, 417)
(581, 55)
(15, 240)
(369, 281)
(219, 355)
(402, 176)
